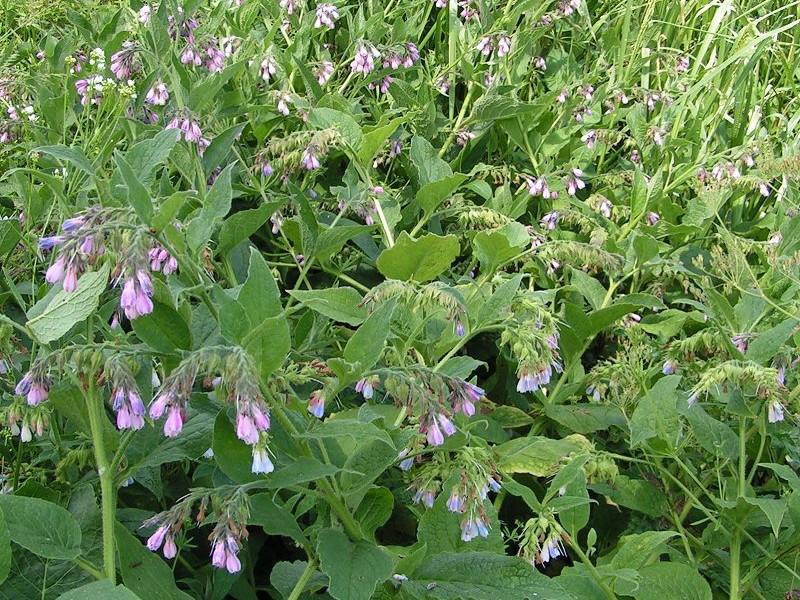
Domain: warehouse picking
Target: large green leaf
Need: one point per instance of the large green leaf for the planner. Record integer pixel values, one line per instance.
(216, 205)
(536, 455)
(143, 572)
(164, 330)
(419, 259)
(100, 590)
(440, 529)
(429, 166)
(354, 568)
(340, 304)
(656, 416)
(67, 309)
(481, 576)
(366, 345)
(44, 528)
(138, 196)
(5, 549)
(671, 581)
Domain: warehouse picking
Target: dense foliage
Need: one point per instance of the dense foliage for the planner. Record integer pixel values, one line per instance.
(414, 299)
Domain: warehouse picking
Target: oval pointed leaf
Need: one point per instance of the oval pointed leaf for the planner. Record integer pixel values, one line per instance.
(46, 529)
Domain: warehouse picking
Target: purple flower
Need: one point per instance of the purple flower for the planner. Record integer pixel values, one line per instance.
(459, 326)
(316, 404)
(326, 15)
(455, 503)
(309, 160)
(549, 221)
(174, 422)
(70, 278)
(246, 429)
(653, 218)
(447, 425)
(775, 411)
(73, 224)
(364, 60)
(269, 68)
(485, 46)
(670, 366)
(46, 243)
(434, 434)
(324, 72)
(160, 405)
(56, 271)
(503, 45)
(154, 541)
(157, 95)
(170, 549)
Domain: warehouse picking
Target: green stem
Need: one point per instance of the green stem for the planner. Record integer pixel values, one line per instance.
(301, 583)
(588, 564)
(106, 474)
(88, 567)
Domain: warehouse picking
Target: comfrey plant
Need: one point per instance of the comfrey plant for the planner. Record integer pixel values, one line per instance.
(399, 300)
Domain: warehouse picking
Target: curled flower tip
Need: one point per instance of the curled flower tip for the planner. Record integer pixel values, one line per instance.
(46, 243)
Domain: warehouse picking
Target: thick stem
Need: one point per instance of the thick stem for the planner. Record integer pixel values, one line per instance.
(106, 474)
(301, 583)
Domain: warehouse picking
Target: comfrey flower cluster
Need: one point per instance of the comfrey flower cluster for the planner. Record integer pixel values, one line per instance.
(237, 384)
(189, 128)
(475, 476)
(299, 151)
(432, 398)
(125, 398)
(489, 43)
(226, 538)
(532, 337)
(542, 541)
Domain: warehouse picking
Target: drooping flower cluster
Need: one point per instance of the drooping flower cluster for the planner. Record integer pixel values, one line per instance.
(541, 541)
(489, 43)
(431, 398)
(125, 398)
(326, 16)
(125, 62)
(188, 125)
(532, 337)
(364, 60)
(299, 151)
(237, 384)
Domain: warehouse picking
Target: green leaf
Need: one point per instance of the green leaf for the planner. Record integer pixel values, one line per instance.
(220, 147)
(374, 140)
(773, 508)
(100, 590)
(72, 156)
(44, 528)
(499, 245)
(67, 309)
(481, 576)
(713, 435)
(216, 205)
(300, 471)
(285, 575)
(241, 225)
(636, 494)
(260, 296)
(143, 157)
(659, 581)
(328, 118)
(9, 235)
(535, 455)
(432, 194)
(585, 417)
(429, 166)
(138, 196)
(268, 344)
(656, 415)
(5, 549)
(635, 551)
(768, 344)
(366, 345)
(210, 86)
(419, 259)
(274, 519)
(144, 572)
(331, 240)
(336, 428)
(600, 319)
(339, 304)
(354, 568)
(375, 509)
(35, 578)
(164, 330)
(500, 300)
